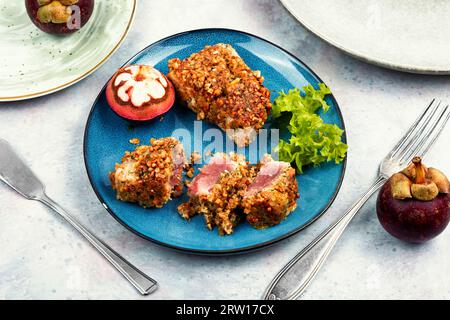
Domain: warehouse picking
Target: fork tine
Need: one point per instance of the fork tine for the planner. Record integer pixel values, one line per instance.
(423, 135)
(428, 135)
(408, 137)
(418, 133)
(422, 153)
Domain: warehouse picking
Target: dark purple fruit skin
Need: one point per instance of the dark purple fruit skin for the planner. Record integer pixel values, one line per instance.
(413, 220)
(86, 9)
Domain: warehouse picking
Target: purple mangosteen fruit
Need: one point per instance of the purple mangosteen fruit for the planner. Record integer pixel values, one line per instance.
(414, 204)
(59, 16)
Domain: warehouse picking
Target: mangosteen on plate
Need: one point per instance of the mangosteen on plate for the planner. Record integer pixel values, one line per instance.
(414, 205)
(59, 16)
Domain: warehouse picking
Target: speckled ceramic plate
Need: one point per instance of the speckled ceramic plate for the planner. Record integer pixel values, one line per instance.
(34, 63)
(107, 138)
(411, 36)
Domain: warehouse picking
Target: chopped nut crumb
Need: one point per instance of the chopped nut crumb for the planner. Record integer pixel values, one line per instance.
(195, 157)
(190, 173)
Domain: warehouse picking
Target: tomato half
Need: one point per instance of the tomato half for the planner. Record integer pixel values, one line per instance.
(140, 93)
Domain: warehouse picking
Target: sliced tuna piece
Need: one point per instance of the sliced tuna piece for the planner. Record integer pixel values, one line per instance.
(218, 85)
(216, 192)
(210, 174)
(272, 194)
(150, 175)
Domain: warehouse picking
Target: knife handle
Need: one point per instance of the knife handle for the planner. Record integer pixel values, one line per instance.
(295, 277)
(143, 283)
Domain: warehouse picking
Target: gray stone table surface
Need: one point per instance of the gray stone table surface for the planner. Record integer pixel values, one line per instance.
(41, 257)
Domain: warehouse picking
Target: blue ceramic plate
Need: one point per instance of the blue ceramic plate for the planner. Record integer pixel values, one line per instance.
(107, 138)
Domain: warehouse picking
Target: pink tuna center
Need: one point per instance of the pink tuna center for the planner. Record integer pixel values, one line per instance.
(210, 174)
(267, 176)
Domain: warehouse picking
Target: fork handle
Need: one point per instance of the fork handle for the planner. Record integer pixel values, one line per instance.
(295, 277)
(143, 283)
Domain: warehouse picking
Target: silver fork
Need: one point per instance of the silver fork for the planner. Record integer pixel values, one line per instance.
(294, 278)
(16, 174)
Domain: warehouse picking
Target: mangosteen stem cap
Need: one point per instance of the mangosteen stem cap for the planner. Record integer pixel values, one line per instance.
(420, 171)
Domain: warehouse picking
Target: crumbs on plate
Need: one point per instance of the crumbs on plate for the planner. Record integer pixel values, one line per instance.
(135, 141)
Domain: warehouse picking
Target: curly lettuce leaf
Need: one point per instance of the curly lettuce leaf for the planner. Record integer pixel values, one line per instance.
(312, 142)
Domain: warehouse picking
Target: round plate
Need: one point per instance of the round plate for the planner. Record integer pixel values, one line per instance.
(411, 36)
(107, 138)
(35, 63)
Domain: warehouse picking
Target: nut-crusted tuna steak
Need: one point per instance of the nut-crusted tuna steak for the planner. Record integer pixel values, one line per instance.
(216, 192)
(272, 194)
(150, 175)
(217, 85)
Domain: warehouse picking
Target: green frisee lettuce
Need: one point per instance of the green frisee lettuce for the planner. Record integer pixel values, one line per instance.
(312, 142)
